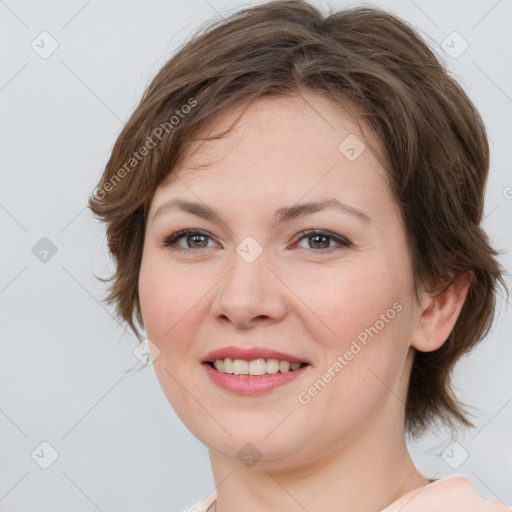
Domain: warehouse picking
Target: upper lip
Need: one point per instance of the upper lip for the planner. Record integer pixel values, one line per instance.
(250, 354)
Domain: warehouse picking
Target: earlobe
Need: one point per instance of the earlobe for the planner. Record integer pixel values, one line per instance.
(439, 314)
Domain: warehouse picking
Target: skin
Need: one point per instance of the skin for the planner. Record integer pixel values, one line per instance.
(345, 449)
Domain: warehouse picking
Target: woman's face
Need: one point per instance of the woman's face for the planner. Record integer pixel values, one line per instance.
(339, 300)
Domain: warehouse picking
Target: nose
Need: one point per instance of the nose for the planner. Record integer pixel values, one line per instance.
(249, 294)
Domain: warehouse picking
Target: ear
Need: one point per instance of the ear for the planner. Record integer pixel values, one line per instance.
(438, 314)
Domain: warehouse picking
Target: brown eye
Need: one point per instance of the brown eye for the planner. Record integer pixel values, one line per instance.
(322, 240)
(194, 239)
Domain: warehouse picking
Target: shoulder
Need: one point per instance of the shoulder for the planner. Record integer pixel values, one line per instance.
(456, 493)
(204, 505)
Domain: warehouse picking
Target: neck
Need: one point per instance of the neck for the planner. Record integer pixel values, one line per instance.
(368, 473)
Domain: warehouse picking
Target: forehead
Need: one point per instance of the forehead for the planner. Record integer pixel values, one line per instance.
(291, 146)
(271, 114)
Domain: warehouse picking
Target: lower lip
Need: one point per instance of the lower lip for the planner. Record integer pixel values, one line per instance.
(251, 385)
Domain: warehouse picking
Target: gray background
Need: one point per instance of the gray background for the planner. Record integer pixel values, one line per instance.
(64, 359)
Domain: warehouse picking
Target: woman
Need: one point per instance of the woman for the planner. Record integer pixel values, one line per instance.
(294, 210)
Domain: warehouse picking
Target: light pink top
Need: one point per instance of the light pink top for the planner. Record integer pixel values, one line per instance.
(454, 494)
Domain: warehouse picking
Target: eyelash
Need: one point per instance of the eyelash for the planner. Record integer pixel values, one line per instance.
(173, 239)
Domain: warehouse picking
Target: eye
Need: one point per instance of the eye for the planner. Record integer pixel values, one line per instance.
(319, 239)
(194, 239)
(198, 239)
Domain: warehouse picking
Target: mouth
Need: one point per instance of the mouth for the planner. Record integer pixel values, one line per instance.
(252, 371)
(254, 367)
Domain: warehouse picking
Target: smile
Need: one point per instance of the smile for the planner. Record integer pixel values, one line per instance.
(259, 381)
(255, 367)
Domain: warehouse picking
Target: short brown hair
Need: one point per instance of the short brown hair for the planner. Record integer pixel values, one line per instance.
(435, 144)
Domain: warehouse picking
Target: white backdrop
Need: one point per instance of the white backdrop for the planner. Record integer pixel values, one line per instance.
(71, 74)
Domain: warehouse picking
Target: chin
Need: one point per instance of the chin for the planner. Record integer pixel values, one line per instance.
(263, 453)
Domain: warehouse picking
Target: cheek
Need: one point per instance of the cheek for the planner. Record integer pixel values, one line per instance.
(345, 301)
(170, 305)
(359, 325)
(173, 302)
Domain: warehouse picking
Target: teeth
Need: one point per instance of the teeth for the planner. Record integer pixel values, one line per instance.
(228, 365)
(257, 367)
(254, 367)
(240, 367)
(272, 365)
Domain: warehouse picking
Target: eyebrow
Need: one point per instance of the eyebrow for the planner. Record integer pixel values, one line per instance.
(281, 215)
